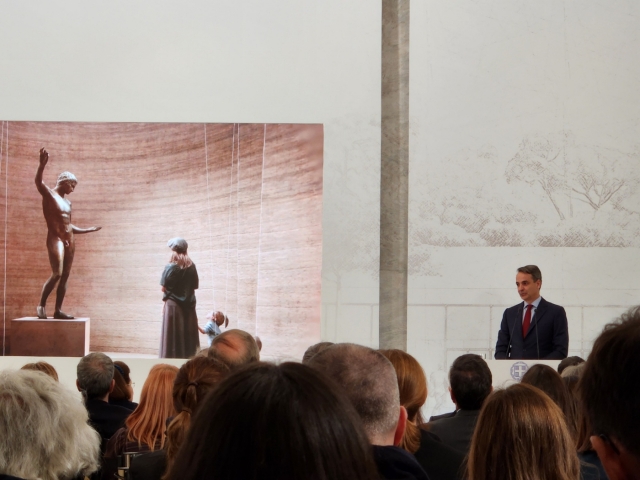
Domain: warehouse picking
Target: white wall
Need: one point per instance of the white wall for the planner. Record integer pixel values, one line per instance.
(497, 86)
(284, 61)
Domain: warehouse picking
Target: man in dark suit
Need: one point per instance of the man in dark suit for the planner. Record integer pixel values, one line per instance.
(470, 384)
(534, 328)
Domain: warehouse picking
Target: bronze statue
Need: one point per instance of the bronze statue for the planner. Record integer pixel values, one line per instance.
(60, 241)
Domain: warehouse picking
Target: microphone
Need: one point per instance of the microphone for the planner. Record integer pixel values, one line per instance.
(511, 330)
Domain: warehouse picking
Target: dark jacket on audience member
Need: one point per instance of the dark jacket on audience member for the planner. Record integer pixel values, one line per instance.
(455, 431)
(148, 466)
(106, 419)
(440, 461)
(591, 467)
(395, 463)
(128, 404)
(444, 415)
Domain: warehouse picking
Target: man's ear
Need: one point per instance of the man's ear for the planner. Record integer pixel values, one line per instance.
(400, 428)
(78, 386)
(112, 386)
(610, 458)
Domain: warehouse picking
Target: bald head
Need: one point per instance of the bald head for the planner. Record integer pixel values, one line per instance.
(234, 348)
(369, 381)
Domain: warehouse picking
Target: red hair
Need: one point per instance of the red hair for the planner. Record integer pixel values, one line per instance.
(147, 423)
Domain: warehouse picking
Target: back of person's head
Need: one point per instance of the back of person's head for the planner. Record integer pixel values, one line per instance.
(195, 379)
(470, 380)
(610, 394)
(521, 434)
(314, 349)
(43, 367)
(122, 382)
(569, 362)
(146, 424)
(550, 382)
(369, 381)
(266, 421)
(94, 375)
(412, 383)
(234, 347)
(43, 429)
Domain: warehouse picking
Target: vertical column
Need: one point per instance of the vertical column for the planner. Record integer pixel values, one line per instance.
(394, 182)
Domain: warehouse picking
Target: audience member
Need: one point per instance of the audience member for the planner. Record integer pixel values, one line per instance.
(43, 367)
(235, 347)
(438, 460)
(521, 434)
(43, 429)
(95, 382)
(313, 349)
(549, 381)
(144, 430)
(195, 379)
(569, 362)
(591, 467)
(122, 393)
(266, 422)
(470, 384)
(370, 382)
(610, 394)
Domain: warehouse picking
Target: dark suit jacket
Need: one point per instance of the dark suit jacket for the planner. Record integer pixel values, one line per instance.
(394, 463)
(456, 431)
(547, 337)
(443, 415)
(440, 461)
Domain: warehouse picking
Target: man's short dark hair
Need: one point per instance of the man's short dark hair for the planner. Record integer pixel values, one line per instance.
(569, 362)
(470, 380)
(532, 270)
(313, 350)
(610, 384)
(235, 348)
(94, 373)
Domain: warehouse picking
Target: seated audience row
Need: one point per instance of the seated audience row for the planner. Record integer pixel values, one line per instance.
(348, 412)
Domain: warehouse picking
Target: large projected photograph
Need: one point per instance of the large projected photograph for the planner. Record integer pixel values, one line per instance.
(91, 213)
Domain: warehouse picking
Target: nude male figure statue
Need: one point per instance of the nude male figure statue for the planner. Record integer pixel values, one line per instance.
(60, 241)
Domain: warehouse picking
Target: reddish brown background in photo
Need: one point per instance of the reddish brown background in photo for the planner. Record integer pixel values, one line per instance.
(247, 197)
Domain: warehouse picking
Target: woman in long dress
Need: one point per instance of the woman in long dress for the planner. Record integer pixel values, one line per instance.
(179, 281)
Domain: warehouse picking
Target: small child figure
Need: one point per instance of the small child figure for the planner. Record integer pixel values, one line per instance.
(212, 328)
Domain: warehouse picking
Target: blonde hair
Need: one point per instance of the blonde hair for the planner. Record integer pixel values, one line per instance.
(412, 383)
(181, 259)
(146, 424)
(521, 434)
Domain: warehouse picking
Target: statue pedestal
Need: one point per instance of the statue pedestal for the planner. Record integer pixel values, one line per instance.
(34, 337)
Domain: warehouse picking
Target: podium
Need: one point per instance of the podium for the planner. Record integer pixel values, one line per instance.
(506, 372)
(35, 337)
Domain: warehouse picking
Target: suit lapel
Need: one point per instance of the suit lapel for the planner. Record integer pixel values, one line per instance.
(540, 311)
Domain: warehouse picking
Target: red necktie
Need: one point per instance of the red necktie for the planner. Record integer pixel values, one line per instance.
(527, 321)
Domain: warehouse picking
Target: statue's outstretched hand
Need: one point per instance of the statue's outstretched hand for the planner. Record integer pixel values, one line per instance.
(44, 157)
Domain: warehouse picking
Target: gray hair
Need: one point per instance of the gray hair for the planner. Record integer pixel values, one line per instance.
(369, 381)
(235, 348)
(43, 429)
(95, 372)
(532, 270)
(67, 177)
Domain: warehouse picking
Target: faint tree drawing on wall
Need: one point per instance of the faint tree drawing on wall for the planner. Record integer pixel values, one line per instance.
(539, 161)
(552, 191)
